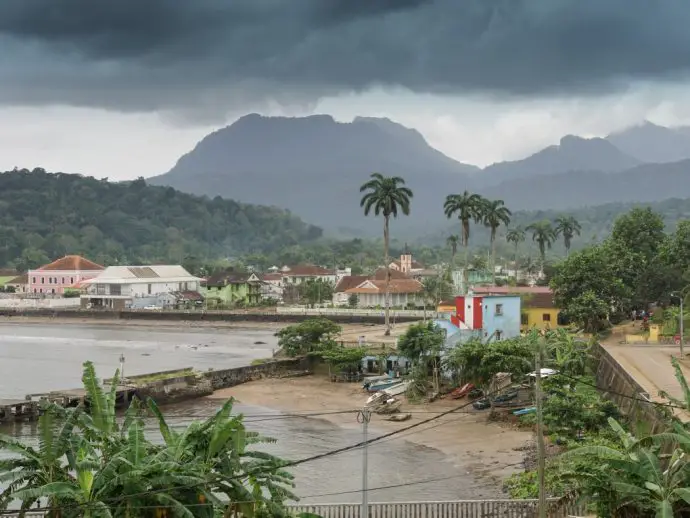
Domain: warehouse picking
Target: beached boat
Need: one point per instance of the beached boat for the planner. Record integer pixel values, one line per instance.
(389, 407)
(382, 385)
(524, 411)
(376, 399)
(397, 389)
(398, 417)
(373, 380)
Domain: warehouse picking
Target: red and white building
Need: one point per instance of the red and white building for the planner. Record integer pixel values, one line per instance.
(63, 273)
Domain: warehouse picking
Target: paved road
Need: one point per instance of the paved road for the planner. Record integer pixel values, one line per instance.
(650, 366)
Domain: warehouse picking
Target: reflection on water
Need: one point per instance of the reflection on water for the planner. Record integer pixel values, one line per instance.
(40, 358)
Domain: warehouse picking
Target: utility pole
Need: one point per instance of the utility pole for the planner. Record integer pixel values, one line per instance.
(122, 369)
(680, 295)
(366, 415)
(541, 456)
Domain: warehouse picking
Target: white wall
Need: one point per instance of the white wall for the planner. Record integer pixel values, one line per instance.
(16, 303)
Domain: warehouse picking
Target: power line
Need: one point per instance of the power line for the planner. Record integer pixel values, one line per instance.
(298, 462)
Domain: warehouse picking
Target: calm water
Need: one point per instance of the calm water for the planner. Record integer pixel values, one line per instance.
(41, 358)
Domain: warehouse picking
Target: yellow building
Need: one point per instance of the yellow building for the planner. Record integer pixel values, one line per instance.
(539, 311)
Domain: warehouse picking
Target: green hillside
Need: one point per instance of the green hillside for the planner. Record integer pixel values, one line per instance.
(44, 216)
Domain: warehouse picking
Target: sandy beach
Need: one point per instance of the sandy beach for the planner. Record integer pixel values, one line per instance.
(489, 451)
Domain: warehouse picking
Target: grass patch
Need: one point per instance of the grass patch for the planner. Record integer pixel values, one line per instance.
(143, 380)
(261, 361)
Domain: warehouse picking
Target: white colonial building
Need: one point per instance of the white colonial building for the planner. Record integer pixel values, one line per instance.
(121, 287)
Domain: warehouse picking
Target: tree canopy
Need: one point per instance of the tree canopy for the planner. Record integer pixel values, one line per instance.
(44, 216)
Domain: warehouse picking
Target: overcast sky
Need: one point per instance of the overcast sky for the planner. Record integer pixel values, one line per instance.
(122, 89)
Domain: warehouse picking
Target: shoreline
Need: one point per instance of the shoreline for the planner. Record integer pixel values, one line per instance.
(350, 332)
(486, 450)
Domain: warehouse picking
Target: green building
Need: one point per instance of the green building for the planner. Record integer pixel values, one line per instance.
(232, 288)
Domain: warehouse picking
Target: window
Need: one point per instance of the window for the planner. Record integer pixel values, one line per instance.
(149, 289)
(100, 289)
(53, 291)
(115, 289)
(50, 280)
(63, 280)
(43, 280)
(71, 280)
(524, 319)
(546, 317)
(499, 334)
(33, 281)
(499, 309)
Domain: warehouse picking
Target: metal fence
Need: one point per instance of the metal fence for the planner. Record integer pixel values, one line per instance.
(451, 509)
(287, 310)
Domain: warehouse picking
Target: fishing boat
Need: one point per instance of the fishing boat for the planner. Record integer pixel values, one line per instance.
(382, 385)
(397, 389)
(524, 411)
(372, 380)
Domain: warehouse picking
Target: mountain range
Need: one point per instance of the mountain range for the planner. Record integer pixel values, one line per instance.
(314, 166)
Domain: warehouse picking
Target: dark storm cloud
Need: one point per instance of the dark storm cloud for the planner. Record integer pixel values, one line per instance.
(157, 54)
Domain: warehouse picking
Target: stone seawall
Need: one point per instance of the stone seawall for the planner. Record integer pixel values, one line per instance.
(191, 386)
(199, 316)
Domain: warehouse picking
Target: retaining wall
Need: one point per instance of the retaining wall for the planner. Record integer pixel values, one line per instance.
(190, 386)
(627, 394)
(205, 316)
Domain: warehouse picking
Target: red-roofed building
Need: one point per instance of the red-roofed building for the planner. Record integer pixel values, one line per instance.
(63, 273)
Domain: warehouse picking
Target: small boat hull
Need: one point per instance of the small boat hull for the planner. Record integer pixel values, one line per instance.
(375, 387)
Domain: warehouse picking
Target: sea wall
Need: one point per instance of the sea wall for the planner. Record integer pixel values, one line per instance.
(628, 395)
(206, 316)
(194, 385)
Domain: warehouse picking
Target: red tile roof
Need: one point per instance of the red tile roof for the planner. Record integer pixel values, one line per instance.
(348, 282)
(271, 276)
(396, 286)
(72, 263)
(22, 279)
(8, 272)
(509, 290)
(538, 300)
(308, 270)
(380, 274)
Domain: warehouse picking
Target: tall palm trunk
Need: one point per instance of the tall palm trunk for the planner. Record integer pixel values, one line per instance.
(465, 243)
(493, 257)
(515, 262)
(387, 304)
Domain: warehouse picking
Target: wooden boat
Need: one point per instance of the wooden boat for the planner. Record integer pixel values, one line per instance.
(398, 418)
(382, 385)
(389, 407)
(524, 411)
(397, 389)
(373, 380)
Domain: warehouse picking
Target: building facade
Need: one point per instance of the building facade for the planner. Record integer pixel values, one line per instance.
(233, 288)
(401, 292)
(56, 277)
(495, 317)
(137, 287)
(538, 308)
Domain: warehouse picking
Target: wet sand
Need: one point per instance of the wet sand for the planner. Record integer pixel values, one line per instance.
(489, 451)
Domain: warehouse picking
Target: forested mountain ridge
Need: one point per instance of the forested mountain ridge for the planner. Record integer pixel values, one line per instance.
(44, 216)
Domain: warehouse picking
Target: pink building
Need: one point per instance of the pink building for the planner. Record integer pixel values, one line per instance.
(64, 273)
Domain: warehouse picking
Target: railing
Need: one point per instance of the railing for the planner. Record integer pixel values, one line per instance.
(451, 509)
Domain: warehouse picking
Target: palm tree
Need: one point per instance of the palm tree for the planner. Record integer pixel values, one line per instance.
(568, 227)
(386, 196)
(468, 207)
(494, 214)
(516, 236)
(452, 242)
(544, 235)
